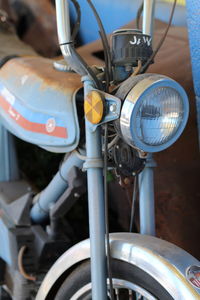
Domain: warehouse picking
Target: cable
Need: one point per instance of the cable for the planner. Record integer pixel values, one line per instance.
(146, 65)
(135, 190)
(137, 69)
(106, 212)
(78, 20)
(21, 267)
(138, 16)
(113, 142)
(104, 39)
(107, 75)
(73, 55)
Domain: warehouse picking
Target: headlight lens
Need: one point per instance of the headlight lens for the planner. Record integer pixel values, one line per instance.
(154, 113)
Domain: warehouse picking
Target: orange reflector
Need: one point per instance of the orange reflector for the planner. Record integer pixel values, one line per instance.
(93, 107)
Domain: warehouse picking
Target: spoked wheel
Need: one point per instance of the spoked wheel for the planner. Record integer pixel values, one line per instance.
(129, 283)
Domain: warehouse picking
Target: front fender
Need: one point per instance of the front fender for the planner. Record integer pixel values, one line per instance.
(163, 261)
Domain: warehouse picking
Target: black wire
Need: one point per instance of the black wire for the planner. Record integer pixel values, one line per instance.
(107, 76)
(139, 13)
(78, 20)
(146, 65)
(104, 39)
(106, 212)
(135, 191)
(75, 55)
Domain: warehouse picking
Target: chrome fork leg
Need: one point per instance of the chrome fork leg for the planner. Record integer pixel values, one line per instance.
(94, 167)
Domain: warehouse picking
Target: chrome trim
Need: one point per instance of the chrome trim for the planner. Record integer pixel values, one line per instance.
(163, 261)
(132, 102)
(148, 17)
(63, 21)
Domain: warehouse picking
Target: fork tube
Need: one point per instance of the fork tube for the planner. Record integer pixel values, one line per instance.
(146, 198)
(94, 166)
(148, 17)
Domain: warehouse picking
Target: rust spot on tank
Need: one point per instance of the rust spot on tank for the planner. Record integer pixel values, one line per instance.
(40, 71)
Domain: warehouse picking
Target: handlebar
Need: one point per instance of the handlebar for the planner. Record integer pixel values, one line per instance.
(63, 21)
(73, 59)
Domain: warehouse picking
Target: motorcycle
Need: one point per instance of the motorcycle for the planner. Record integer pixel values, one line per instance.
(113, 119)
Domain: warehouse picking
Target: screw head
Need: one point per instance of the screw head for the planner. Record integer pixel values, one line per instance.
(113, 108)
(76, 195)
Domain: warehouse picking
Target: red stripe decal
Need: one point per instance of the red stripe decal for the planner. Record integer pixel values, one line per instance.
(60, 132)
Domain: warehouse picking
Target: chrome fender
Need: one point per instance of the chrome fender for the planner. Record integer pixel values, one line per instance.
(162, 260)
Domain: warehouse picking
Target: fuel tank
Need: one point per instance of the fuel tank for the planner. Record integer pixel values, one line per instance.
(38, 103)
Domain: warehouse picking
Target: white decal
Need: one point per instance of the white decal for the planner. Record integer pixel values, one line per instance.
(8, 96)
(13, 114)
(50, 125)
(147, 40)
(135, 41)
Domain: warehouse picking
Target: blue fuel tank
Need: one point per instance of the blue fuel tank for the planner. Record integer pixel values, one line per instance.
(38, 103)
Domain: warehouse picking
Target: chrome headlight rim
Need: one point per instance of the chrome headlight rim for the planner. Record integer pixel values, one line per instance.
(132, 103)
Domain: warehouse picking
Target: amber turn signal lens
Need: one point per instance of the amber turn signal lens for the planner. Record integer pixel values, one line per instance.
(94, 107)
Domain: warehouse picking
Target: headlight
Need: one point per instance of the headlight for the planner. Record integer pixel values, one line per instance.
(154, 112)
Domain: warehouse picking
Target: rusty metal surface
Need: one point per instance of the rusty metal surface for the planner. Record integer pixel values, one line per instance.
(41, 69)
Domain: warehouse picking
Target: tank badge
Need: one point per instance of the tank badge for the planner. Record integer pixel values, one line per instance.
(50, 125)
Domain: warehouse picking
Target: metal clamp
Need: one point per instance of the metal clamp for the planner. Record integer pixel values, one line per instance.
(93, 163)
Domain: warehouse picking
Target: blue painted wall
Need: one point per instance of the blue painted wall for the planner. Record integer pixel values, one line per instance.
(116, 13)
(193, 18)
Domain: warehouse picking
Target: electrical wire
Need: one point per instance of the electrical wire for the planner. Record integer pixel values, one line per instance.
(104, 39)
(78, 20)
(106, 212)
(20, 264)
(75, 55)
(113, 142)
(146, 65)
(138, 16)
(135, 191)
(107, 75)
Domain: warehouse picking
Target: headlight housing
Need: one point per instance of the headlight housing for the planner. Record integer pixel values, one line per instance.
(154, 112)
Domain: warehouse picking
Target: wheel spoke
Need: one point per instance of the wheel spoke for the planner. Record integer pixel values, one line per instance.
(130, 292)
(117, 294)
(138, 296)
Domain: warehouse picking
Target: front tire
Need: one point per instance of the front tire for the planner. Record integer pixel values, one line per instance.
(129, 281)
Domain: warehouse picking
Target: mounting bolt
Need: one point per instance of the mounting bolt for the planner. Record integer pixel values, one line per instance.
(76, 195)
(113, 108)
